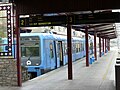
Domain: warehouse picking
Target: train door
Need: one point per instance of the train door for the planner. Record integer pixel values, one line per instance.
(48, 61)
(60, 52)
(50, 55)
(73, 51)
(55, 54)
(64, 55)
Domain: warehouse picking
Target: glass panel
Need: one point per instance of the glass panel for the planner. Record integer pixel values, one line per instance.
(30, 38)
(1, 48)
(91, 46)
(29, 46)
(3, 13)
(3, 41)
(58, 49)
(65, 48)
(29, 51)
(51, 50)
(3, 27)
(3, 44)
(82, 46)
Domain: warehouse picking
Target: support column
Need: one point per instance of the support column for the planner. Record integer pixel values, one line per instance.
(18, 50)
(95, 50)
(108, 44)
(69, 46)
(103, 45)
(87, 47)
(99, 46)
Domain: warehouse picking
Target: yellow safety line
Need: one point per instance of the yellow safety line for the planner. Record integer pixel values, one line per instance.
(104, 76)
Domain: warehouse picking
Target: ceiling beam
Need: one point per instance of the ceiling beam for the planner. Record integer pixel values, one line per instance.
(106, 35)
(105, 26)
(57, 6)
(99, 25)
(106, 32)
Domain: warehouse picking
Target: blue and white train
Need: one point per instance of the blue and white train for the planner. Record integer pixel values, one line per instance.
(43, 52)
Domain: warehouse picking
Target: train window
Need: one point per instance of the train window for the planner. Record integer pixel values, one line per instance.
(74, 47)
(58, 49)
(78, 47)
(30, 46)
(91, 46)
(82, 47)
(29, 51)
(65, 48)
(51, 50)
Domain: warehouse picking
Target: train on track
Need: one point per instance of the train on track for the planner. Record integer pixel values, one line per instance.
(43, 52)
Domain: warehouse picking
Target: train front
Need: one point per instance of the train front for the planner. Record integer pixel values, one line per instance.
(30, 55)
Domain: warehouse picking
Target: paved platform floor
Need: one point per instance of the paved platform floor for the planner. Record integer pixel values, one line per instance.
(98, 76)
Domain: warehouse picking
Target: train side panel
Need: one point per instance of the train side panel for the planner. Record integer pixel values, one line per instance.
(64, 45)
(48, 54)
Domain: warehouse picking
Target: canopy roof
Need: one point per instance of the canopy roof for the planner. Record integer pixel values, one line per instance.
(74, 7)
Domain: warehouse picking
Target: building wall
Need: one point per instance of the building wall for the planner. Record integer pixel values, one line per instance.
(8, 72)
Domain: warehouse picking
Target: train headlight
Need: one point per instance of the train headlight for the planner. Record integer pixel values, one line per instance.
(28, 62)
(37, 64)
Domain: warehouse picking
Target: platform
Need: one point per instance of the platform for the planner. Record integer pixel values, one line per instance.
(98, 76)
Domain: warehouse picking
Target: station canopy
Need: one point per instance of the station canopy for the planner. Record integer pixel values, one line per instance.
(96, 15)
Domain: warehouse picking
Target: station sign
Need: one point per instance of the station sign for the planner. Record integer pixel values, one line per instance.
(35, 21)
(75, 19)
(108, 17)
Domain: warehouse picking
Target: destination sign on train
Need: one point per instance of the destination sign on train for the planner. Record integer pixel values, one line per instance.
(36, 21)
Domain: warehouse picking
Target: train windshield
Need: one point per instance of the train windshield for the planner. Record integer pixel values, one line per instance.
(30, 50)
